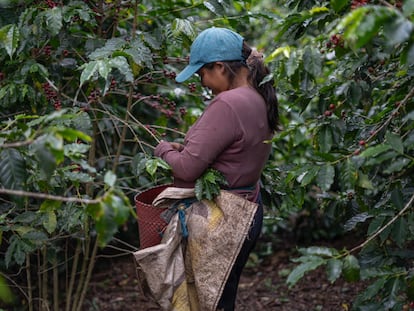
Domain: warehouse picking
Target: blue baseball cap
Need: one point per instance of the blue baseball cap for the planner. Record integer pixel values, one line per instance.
(212, 45)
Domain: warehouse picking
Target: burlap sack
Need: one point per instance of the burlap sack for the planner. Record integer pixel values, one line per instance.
(183, 274)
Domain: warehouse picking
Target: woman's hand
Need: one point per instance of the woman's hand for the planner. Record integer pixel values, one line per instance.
(177, 146)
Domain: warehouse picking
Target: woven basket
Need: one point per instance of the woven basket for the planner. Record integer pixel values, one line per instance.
(150, 224)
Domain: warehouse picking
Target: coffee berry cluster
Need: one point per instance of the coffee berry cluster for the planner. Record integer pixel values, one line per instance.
(357, 3)
(50, 3)
(335, 41)
(52, 96)
(330, 110)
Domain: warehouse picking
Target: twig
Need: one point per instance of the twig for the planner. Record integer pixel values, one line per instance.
(18, 287)
(385, 3)
(17, 144)
(379, 231)
(55, 284)
(73, 276)
(145, 128)
(391, 117)
(29, 283)
(45, 196)
(124, 130)
(88, 276)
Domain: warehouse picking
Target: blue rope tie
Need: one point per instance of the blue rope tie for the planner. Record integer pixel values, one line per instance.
(180, 207)
(181, 216)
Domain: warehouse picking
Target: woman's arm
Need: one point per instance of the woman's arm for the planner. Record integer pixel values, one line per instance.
(211, 135)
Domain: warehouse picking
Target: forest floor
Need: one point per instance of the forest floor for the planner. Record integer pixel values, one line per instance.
(263, 287)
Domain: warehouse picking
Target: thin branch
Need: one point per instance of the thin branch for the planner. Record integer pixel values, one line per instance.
(124, 130)
(16, 285)
(17, 144)
(377, 233)
(88, 272)
(391, 117)
(387, 4)
(45, 196)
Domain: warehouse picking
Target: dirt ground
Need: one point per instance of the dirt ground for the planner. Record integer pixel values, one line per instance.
(114, 286)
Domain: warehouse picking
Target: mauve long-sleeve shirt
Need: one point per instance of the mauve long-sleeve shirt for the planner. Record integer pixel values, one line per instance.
(231, 136)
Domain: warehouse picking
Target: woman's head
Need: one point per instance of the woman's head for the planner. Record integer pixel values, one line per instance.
(221, 57)
(212, 45)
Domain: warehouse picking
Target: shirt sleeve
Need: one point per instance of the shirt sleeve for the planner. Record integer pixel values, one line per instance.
(216, 129)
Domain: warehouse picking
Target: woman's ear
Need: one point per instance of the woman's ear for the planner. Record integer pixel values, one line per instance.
(220, 66)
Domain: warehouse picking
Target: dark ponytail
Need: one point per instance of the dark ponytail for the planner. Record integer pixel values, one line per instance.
(257, 72)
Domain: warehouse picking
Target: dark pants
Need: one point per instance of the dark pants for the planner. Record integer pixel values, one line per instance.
(228, 298)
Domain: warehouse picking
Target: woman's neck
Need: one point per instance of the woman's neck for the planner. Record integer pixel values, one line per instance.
(241, 79)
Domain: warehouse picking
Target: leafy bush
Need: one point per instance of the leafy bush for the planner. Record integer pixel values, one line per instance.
(346, 72)
(87, 89)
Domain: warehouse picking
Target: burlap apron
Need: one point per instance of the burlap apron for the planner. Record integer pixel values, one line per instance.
(189, 274)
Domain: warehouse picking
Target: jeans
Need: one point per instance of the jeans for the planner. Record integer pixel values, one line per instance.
(228, 297)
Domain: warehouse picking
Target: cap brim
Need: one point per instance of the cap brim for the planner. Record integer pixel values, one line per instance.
(187, 72)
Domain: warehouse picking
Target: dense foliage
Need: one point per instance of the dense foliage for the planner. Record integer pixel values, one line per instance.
(87, 89)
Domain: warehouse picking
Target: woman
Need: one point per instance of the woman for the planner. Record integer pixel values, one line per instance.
(232, 134)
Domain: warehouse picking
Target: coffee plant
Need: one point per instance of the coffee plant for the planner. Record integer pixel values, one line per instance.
(344, 71)
(87, 90)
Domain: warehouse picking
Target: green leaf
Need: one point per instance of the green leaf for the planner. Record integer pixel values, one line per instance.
(350, 23)
(312, 61)
(50, 221)
(9, 38)
(348, 174)
(308, 176)
(325, 177)
(319, 251)
(140, 54)
(73, 135)
(50, 205)
(106, 52)
(364, 182)
(359, 218)
(13, 173)
(208, 186)
(184, 26)
(103, 68)
(25, 217)
(373, 289)
(397, 198)
(299, 271)
(215, 6)
(108, 215)
(46, 160)
(292, 63)
(89, 70)
(363, 24)
(397, 165)
(54, 20)
(325, 138)
(408, 8)
(398, 31)
(75, 150)
(369, 27)
(410, 54)
(151, 166)
(338, 5)
(6, 294)
(110, 179)
(122, 65)
(351, 269)
(334, 269)
(399, 232)
(375, 224)
(395, 142)
(375, 150)
(17, 250)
